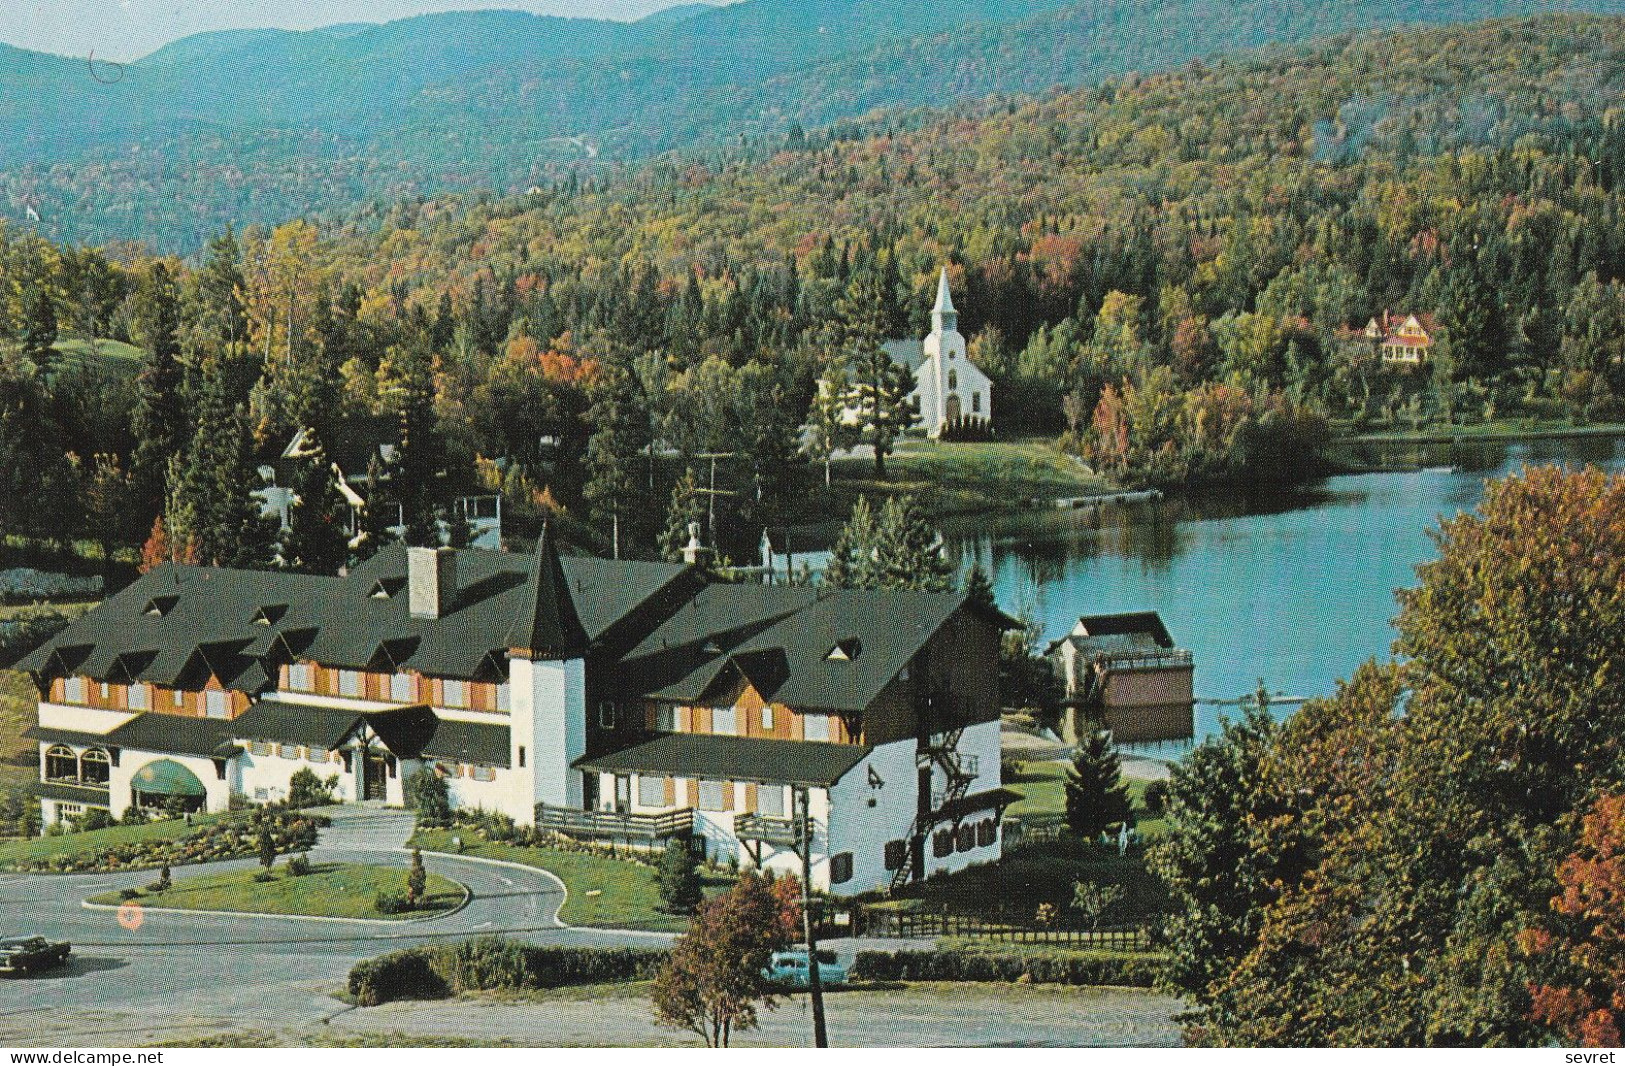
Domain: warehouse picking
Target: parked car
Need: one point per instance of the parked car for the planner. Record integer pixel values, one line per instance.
(21, 954)
(790, 969)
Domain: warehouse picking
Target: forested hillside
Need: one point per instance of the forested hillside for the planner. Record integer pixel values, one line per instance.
(1165, 271)
(263, 126)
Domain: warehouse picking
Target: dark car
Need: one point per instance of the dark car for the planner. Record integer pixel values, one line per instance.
(21, 954)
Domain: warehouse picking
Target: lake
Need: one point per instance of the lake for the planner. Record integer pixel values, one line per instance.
(1296, 589)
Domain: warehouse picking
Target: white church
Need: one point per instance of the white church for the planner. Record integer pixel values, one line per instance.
(949, 391)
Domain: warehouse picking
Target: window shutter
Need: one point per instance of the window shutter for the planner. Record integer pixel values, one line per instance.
(727, 795)
(671, 792)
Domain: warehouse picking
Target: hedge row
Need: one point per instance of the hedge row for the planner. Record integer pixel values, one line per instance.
(1058, 968)
(492, 963)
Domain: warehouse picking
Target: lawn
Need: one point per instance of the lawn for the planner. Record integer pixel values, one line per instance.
(330, 890)
(1043, 797)
(949, 478)
(116, 355)
(605, 892)
(1011, 889)
(16, 853)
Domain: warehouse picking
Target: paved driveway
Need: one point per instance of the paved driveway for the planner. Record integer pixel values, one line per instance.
(181, 973)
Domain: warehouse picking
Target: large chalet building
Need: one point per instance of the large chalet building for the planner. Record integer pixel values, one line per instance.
(620, 701)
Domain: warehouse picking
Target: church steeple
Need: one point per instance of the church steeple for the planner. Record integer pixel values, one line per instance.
(943, 316)
(549, 628)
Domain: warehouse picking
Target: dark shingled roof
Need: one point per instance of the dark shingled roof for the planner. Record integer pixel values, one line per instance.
(296, 723)
(781, 639)
(53, 735)
(1128, 633)
(173, 733)
(793, 762)
(549, 627)
(471, 742)
(177, 625)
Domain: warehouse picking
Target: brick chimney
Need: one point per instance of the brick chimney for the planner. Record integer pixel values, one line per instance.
(431, 581)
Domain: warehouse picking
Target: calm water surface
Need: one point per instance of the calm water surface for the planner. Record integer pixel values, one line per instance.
(1294, 589)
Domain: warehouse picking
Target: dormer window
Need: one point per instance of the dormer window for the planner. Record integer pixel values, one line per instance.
(386, 587)
(159, 606)
(270, 615)
(845, 651)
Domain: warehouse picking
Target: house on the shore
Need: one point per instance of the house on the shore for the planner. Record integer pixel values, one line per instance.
(1124, 672)
(1401, 340)
(622, 702)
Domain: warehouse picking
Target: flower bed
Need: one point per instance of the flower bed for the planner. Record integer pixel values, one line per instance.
(234, 836)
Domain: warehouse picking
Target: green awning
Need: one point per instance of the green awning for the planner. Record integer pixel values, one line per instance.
(168, 778)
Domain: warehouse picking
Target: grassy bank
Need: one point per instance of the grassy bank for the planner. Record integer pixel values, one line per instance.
(329, 890)
(1498, 429)
(605, 892)
(957, 478)
(1043, 796)
(17, 854)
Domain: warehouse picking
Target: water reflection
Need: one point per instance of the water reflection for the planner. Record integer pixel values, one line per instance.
(1294, 588)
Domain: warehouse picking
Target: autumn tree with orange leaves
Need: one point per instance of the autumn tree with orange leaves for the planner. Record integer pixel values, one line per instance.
(1585, 944)
(714, 981)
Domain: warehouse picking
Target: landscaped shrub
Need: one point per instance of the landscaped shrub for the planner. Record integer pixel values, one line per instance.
(494, 964)
(233, 837)
(298, 865)
(1155, 798)
(305, 789)
(427, 794)
(1055, 968)
(391, 903)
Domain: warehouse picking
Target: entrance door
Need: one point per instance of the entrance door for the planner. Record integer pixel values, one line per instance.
(953, 410)
(373, 778)
(623, 795)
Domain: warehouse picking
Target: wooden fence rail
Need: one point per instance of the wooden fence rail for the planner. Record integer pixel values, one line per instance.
(906, 924)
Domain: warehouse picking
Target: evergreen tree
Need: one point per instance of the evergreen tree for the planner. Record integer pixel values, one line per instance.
(159, 418)
(211, 506)
(878, 387)
(37, 495)
(979, 589)
(40, 330)
(679, 878)
(1096, 796)
(216, 308)
(687, 509)
(619, 416)
(908, 552)
(827, 428)
(851, 557)
(318, 539)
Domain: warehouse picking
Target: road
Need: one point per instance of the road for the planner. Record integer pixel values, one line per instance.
(181, 973)
(190, 975)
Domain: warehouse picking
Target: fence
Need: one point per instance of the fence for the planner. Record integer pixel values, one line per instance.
(906, 924)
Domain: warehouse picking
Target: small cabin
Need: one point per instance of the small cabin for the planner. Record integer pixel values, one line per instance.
(1125, 673)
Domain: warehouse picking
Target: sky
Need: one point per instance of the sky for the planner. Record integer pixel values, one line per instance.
(128, 29)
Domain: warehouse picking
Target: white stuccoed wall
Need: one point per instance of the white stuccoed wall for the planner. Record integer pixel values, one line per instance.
(82, 719)
(864, 830)
(549, 714)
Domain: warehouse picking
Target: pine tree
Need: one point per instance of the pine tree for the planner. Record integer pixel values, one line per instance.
(619, 416)
(851, 557)
(878, 387)
(979, 589)
(679, 883)
(1096, 796)
(40, 330)
(159, 419)
(908, 552)
(210, 505)
(828, 429)
(687, 509)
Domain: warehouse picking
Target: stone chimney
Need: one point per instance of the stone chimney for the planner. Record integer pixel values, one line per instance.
(431, 581)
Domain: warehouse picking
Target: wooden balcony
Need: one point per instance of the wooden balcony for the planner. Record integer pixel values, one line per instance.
(780, 832)
(614, 826)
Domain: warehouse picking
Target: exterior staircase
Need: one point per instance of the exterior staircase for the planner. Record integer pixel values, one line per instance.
(959, 770)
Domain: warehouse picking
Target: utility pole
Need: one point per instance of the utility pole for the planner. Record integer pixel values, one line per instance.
(815, 981)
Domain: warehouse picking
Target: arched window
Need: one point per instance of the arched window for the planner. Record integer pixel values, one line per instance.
(61, 764)
(95, 767)
(953, 379)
